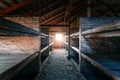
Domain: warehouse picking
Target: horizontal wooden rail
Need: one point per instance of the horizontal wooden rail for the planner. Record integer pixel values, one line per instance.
(102, 35)
(74, 48)
(102, 68)
(46, 47)
(10, 25)
(43, 35)
(74, 35)
(14, 33)
(111, 27)
(96, 64)
(11, 72)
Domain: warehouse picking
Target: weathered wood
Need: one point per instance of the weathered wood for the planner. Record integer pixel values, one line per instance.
(114, 26)
(14, 7)
(16, 27)
(7, 75)
(43, 7)
(14, 33)
(101, 35)
(62, 25)
(46, 47)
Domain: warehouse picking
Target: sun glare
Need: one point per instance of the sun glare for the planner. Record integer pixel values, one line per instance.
(59, 37)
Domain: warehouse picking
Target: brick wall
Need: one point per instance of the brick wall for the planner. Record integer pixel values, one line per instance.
(21, 44)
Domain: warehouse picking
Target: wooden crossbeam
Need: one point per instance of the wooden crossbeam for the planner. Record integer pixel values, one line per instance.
(59, 8)
(43, 7)
(57, 20)
(109, 7)
(14, 7)
(6, 24)
(6, 32)
(54, 25)
(53, 16)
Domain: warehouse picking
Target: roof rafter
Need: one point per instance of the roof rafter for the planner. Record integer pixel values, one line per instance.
(109, 7)
(54, 16)
(43, 7)
(56, 19)
(16, 6)
(60, 7)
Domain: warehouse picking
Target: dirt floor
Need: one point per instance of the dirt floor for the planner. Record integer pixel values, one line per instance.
(58, 67)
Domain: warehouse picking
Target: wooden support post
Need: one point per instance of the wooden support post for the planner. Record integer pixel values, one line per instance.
(39, 54)
(79, 44)
(69, 41)
(88, 9)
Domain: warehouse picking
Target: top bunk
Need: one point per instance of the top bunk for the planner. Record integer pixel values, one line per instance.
(9, 27)
(106, 30)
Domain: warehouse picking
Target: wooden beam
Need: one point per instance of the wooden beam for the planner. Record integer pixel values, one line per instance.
(110, 27)
(53, 17)
(68, 11)
(109, 7)
(43, 7)
(58, 8)
(88, 8)
(56, 17)
(57, 20)
(77, 15)
(7, 24)
(14, 7)
(9, 32)
(62, 25)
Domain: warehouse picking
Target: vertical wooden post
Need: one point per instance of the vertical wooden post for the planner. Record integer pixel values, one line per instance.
(69, 41)
(39, 54)
(79, 44)
(88, 9)
(49, 40)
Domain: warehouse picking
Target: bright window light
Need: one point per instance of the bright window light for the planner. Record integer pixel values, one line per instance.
(59, 37)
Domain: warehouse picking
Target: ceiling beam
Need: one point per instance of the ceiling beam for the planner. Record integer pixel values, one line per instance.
(53, 16)
(16, 6)
(57, 20)
(54, 25)
(43, 7)
(78, 13)
(52, 11)
(68, 11)
(52, 19)
(108, 7)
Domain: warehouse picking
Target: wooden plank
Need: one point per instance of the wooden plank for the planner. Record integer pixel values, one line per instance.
(6, 32)
(14, 7)
(114, 26)
(54, 25)
(46, 47)
(4, 23)
(53, 16)
(57, 20)
(7, 75)
(101, 35)
(101, 67)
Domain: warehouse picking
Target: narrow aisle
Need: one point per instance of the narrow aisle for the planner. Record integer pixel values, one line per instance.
(58, 67)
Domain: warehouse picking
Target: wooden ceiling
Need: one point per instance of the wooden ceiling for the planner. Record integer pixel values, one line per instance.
(60, 11)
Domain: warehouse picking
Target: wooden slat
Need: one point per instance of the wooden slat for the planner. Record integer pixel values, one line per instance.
(6, 24)
(7, 75)
(114, 26)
